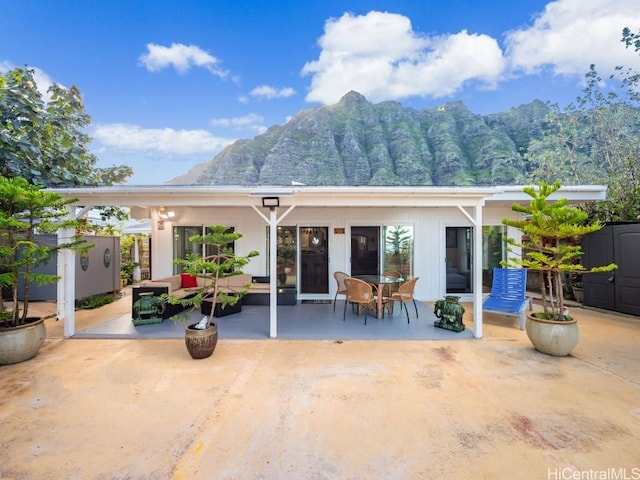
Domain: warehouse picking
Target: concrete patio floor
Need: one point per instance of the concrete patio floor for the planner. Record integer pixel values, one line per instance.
(321, 409)
(303, 321)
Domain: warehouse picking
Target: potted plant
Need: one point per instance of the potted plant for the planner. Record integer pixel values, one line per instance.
(201, 338)
(26, 210)
(549, 230)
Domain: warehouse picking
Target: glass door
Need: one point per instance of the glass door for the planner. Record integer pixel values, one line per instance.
(314, 260)
(364, 250)
(287, 262)
(182, 246)
(459, 259)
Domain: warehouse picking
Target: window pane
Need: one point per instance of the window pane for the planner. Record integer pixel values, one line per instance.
(398, 249)
(287, 256)
(182, 245)
(459, 259)
(493, 251)
(213, 249)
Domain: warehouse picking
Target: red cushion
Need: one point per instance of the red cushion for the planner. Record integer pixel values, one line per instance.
(188, 281)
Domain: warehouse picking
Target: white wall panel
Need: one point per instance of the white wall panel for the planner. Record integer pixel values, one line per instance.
(429, 234)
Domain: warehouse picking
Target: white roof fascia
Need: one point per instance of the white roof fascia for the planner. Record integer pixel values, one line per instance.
(130, 196)
(574, 193)
(335, 196)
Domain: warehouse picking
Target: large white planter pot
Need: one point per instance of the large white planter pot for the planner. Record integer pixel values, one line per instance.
(557, 338)
(21, 343)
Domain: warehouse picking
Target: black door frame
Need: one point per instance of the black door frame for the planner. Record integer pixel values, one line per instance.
(314, 259)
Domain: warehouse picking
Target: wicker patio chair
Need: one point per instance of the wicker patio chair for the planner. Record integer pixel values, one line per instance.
(391, 288)
(342, 288)
(405, 295)
(360, 294)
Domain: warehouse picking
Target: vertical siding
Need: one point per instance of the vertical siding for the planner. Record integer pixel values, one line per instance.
(429, 227)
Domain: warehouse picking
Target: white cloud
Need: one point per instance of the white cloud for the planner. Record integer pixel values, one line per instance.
(181, 57)
(569, 35)
(271, 92)
(133, 138)
(253, 121)
(380, 56)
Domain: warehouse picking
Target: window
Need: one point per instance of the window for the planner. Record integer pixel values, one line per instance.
(183, 246)
(398, 249)
(493, 251)
(287, 256)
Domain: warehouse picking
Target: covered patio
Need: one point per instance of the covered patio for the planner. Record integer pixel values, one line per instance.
(313, 320)
(429, 211)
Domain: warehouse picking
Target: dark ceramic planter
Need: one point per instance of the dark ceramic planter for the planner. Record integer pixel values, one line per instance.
(201, 343)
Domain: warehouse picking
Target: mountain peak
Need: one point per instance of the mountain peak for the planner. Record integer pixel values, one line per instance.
(352, 98)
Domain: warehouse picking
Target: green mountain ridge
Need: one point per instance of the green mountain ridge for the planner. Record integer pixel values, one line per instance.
(355, 142)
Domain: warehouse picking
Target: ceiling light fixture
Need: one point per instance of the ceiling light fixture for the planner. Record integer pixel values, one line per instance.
(166, 215)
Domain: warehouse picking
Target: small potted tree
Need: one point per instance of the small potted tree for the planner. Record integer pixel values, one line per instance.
(201, 338)
(549, 230)
(26, 210)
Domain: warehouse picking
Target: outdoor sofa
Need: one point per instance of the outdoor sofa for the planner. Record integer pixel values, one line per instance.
(183, 286)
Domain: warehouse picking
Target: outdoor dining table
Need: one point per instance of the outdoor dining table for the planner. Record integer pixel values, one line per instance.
(378, 282)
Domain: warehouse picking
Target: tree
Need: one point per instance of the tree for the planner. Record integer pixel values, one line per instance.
(27, 209)
(550, 230)
(630, 38)
(561, 153)
(594, 140)
(211, 268)
(45, 142)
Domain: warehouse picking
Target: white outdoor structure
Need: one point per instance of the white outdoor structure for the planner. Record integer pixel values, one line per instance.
(430, 210)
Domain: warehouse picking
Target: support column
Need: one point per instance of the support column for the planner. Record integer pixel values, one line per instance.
(273, 270)
(67, 284)
(273, 221)
(477, 273)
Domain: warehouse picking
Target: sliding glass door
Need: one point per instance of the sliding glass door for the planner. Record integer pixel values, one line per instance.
(364, 250)
(459, 259)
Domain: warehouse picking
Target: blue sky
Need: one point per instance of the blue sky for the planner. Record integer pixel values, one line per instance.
(170, 83)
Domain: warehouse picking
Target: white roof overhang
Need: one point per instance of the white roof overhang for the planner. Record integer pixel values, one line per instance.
(308, 196)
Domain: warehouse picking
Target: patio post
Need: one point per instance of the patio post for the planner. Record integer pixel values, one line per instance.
(273, 263)
(476, 269)
(273, 278)
(65, 289)
(477, 272)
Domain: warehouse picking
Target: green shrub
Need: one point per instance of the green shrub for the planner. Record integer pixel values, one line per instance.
(94, 301)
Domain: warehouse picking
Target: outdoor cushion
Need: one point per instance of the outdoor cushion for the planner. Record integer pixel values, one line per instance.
(188, 281)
